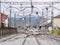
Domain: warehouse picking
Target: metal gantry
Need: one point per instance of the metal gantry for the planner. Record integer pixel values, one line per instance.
(31, 7)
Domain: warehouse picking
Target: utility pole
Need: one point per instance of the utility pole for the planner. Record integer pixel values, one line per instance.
(47, 12)
(9, 19)
(23, 20)
(15, 20)
(0, 5)
(41, 23)
(31, 13)
(52, 16)
(0, 19)
(0, 14)
(47, 25)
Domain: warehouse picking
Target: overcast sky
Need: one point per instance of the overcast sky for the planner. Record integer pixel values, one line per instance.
(33, 0)
(27, 11)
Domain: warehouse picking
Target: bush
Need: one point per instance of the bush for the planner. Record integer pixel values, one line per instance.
(56, 32)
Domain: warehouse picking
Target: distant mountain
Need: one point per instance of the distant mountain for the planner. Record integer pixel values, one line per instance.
(17, 22)
(27, 18)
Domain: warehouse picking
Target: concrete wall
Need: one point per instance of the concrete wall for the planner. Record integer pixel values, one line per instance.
(7, 31)
(56, 22)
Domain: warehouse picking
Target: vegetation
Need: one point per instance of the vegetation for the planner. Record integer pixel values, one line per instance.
(56, 32)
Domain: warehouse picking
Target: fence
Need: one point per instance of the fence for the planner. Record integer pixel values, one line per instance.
(7, 31)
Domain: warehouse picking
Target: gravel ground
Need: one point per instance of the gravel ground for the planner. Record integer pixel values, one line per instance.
(23, 39)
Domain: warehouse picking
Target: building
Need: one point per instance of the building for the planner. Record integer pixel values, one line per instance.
(56, 21)
(3, 17)
(4, 29)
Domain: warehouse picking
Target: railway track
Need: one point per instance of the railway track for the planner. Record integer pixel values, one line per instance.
(8, 38)
(37, 41)
(25, 40)
(27, 37)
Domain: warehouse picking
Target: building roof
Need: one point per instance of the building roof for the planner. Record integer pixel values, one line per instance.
(57, 16)
(3, 17)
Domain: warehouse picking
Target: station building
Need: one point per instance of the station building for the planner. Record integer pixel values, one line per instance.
(56, 21)
(3, 18)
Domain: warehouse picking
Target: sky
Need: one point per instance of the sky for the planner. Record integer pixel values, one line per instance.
(28, 10)
(33, 0)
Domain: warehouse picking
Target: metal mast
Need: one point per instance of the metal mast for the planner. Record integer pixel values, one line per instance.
(31, 13)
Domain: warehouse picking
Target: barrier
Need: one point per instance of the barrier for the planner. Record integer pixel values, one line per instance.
(7, 31)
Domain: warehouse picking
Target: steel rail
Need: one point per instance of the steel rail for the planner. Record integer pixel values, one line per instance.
(8, 38)
(37, 40)
(25, 39)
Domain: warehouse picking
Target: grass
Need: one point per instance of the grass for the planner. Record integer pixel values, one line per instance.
(56, 32)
